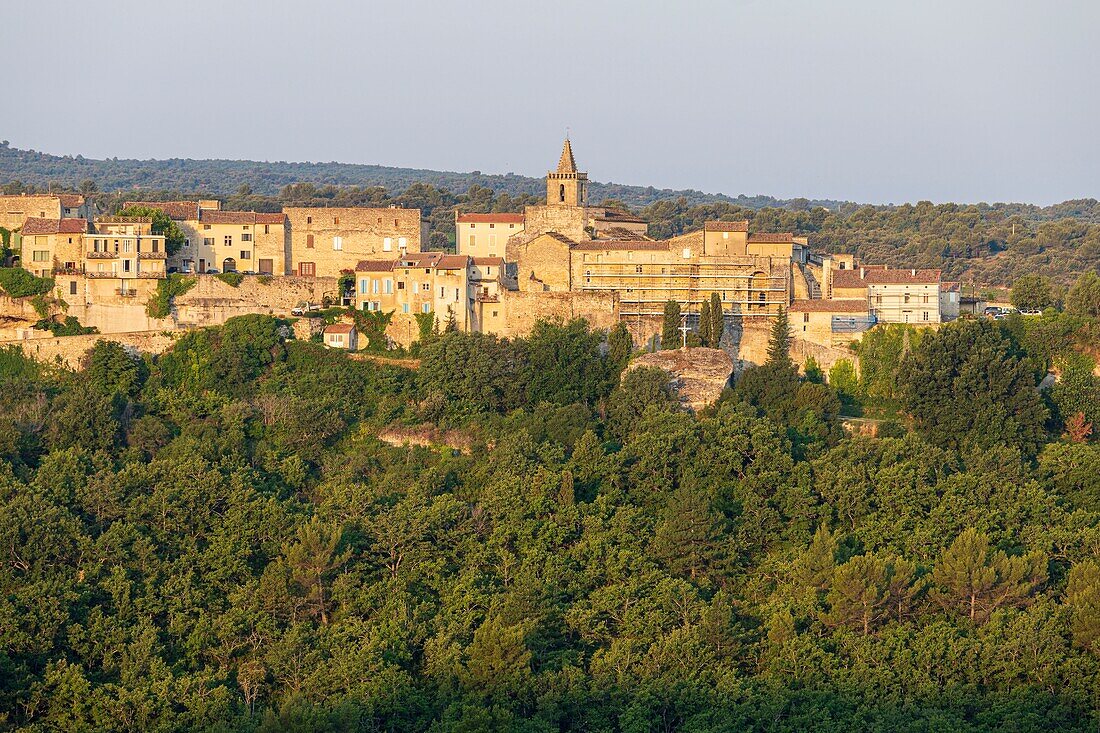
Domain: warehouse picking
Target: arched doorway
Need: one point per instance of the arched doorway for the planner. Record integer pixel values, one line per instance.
(229, 265)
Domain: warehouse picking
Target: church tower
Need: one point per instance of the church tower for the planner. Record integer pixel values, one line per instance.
(566, 186)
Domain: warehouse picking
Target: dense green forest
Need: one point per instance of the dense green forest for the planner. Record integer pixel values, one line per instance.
(215, 539)
(985, 244)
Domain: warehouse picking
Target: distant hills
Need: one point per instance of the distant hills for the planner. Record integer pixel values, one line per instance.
(224, 177)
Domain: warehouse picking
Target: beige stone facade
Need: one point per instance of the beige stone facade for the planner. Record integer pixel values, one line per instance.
(14, 210)
(52, 246)
(235, 241)
(326, 242)
(486, 235)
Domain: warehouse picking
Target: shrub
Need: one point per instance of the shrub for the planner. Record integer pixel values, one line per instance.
(265, 279)
(69, 327)
(160, 305)
(19, 283)
(233, 279)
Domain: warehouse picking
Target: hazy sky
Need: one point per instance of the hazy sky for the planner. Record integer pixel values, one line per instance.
(877, 101)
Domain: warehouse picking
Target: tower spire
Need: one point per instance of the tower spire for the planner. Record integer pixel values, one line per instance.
(566, 164)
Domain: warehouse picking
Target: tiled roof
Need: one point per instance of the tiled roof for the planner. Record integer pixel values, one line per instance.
(35, 225)
(829, 306)
(767, 238)
(177, 210)
(339, 328)
(453, 262)
(612, 215)
(852, 279)
(71, 200)
(619, 233)
(210, 216)
(727, 226)
(488, 261)
(615, 244)
(490, 218)
(374, 266)
(419, 259)
(950, 287)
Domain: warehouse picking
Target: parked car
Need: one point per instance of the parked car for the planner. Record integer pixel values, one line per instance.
(302, 308)
(213, 271)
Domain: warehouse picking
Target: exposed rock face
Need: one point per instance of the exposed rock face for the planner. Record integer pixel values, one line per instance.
(699, 374)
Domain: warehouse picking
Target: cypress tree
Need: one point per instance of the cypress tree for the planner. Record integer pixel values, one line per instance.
(779, 344)
(705, 324)
(670, 329)
(718, 322)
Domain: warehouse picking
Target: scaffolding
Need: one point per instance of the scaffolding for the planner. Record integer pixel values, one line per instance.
(746, 289)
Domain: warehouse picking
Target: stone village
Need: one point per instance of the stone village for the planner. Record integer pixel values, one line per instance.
(561, 259)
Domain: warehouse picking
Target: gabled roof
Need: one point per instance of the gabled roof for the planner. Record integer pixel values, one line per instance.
(339, 328)
(374, 266)
(490, 218)
(176, 210)
(853, 278)
(829, 306)
(488, 261)
(726, 226)
(419, 259)
(616, 216)
(71, 200)
(453, 262)
(35, 225)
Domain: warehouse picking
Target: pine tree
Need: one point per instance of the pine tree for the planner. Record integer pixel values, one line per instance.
(717, 321)
(859, 593)
(705, 324)
(1083, 598)
(816, 566)
(670, 328)
(977, 581)
(779, 344)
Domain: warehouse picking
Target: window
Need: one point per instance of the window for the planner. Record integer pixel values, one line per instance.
(72, 288)
(637, 269)
(245, 254)
(907, 297)
(402, 242)
(387, 244)
(363, 285)
(494, 314)
(492, 225)
(426, 308)
(400, 284)
(426, 287)
(338, 243)
(246, 237)
(926, 315)
(687, 252)
(40, 255)
(309, 241)
(208, 241)
(375, 305)
(374, 287)
(335, 220)
(228, 240)
(805, 318)
(205, 226)
(307, 269)
(387, 286)
(404, 307)
(267, 229)
(472, 239)
(127, 245)
(309, 220)
(926, 300)
(510, 226)
(126, 265)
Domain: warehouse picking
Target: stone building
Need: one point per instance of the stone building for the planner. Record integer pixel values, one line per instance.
(236, 241)
(51, 246)
(121, 260)
(323, 242)
(16, 209)
(485, 235)
(892, 295)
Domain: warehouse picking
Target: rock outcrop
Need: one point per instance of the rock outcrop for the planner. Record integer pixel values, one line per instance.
(699, 374)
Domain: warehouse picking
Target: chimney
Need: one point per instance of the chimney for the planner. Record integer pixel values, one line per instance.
(862, 272)
(913, 272)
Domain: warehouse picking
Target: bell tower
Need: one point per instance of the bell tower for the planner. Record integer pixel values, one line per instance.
(566, 186)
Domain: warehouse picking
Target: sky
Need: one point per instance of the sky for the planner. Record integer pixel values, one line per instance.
(880, 101)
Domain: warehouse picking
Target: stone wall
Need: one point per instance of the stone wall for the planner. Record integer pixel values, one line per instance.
(69, 350)
(569, 221)
(751, 348)
(363, 233)
(522, 309)
(14, 210)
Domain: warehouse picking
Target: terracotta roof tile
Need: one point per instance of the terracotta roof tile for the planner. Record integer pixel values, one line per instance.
(339, 328)
(210, 216)
(726, 226)
(490, 218)
(374, 266)
(852, 279)
(35, 226)
(71, 200)
(829, 306)
(488, 261)
(453, 262)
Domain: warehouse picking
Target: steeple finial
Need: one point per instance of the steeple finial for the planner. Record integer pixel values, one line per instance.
(566, 164)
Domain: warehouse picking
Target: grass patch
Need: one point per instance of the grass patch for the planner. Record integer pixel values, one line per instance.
(160, 305)
(19, 283)
(233, 279)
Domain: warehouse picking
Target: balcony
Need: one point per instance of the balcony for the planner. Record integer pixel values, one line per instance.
(126, 293)
(101, 275)
(152, 255)
(154, 275)
(68, 271)
(94, 255)
(486, 298)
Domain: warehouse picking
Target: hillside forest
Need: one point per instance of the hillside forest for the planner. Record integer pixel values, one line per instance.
(219, 538)
(982, 244)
